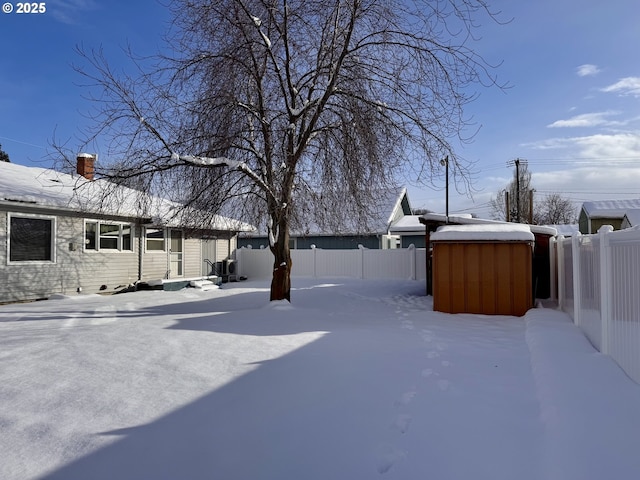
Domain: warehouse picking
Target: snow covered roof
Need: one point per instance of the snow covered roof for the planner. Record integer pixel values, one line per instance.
(387, 206)
(501, 232)
(467, 220)
(566, 230)
(610, 208)
(408, 223)
(633, 217)
(49, 189)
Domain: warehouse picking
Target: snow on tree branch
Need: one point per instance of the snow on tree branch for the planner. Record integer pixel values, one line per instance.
(224, 162)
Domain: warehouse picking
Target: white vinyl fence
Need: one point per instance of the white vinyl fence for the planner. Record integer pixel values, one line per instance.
(599, 286)
(401, 263)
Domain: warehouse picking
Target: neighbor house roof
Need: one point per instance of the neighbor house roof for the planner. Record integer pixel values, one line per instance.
(566, 230)
(633, 216)
(466, 220)
(52, 190)
(610, 208)
(388, 206)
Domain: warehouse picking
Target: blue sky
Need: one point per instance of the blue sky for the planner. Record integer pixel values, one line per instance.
(573, 109)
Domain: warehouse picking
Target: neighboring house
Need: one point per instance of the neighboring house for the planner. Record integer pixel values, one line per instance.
(410, 230)
(593, 215)
(62, 233)
(391, 207)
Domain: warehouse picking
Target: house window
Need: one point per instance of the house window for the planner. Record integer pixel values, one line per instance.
(155, 239)
(107, 236)
(31, 239)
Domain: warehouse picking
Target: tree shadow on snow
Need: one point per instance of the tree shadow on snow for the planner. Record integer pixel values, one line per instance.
(306, 414)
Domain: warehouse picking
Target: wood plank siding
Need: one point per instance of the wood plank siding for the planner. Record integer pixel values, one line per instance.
(492, 278)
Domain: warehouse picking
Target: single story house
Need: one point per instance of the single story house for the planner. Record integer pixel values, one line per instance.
(346, 234)
(62, 233)
(593, 215)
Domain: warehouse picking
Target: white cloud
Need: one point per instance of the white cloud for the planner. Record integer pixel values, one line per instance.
(68, 11)
(588, 183)
(587, 70)
(623, 145)
(587, 120)
(625, 86)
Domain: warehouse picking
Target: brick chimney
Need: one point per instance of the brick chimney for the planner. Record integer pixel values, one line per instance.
(86, 165)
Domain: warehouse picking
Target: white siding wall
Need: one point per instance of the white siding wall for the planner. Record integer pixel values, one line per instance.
(73, 268)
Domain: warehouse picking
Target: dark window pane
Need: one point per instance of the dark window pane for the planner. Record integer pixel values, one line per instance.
(126, 237)
(90, 236)
(109, 235)
(30, 239)
(155, 239)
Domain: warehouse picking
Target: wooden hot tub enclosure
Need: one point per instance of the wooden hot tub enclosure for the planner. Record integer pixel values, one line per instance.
(484, 269)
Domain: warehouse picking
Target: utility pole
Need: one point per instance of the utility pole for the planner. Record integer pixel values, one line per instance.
(517, 162)
(445, 163)
(531, 206)
(507, 207)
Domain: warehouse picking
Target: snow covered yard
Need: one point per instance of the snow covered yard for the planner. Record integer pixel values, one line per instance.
(354, 380)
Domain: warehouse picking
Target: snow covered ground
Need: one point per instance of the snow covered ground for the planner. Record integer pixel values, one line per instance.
(354, 380)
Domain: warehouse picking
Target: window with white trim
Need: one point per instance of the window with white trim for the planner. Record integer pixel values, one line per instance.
(107, 236)
(31, 238)
(155, 239)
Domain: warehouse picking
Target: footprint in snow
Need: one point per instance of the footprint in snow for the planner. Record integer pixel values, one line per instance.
(445, 363)
(408, 324)
(427, 372)
(444, 385)
(406, 398)
(402, 422)
(388, 455)
(433, 354)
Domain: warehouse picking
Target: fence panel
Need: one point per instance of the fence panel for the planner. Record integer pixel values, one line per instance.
(590, 314)
(609, 289)
(405, 263)
(624, 324)
(338, 263)
(567, 276)
(396, 263)
(255, 263)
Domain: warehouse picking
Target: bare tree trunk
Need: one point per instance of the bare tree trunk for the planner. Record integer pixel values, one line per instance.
(281, 280)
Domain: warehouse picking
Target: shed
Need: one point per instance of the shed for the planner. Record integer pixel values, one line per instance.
(485, 269)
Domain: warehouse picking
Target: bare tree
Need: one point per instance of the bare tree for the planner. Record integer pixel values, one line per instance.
(293, 111)
(518, 194)
(554, 209)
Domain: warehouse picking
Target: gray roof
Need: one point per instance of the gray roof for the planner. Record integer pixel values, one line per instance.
(610, 208)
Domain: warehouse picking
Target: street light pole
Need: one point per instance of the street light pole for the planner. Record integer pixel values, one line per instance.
(445, 163)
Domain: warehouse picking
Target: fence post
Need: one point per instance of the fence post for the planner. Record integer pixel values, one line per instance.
(315, 268)
(553, 268)
(577, 285)
(361, 248)
(412, 261)
(605, 286)
(561, 273)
